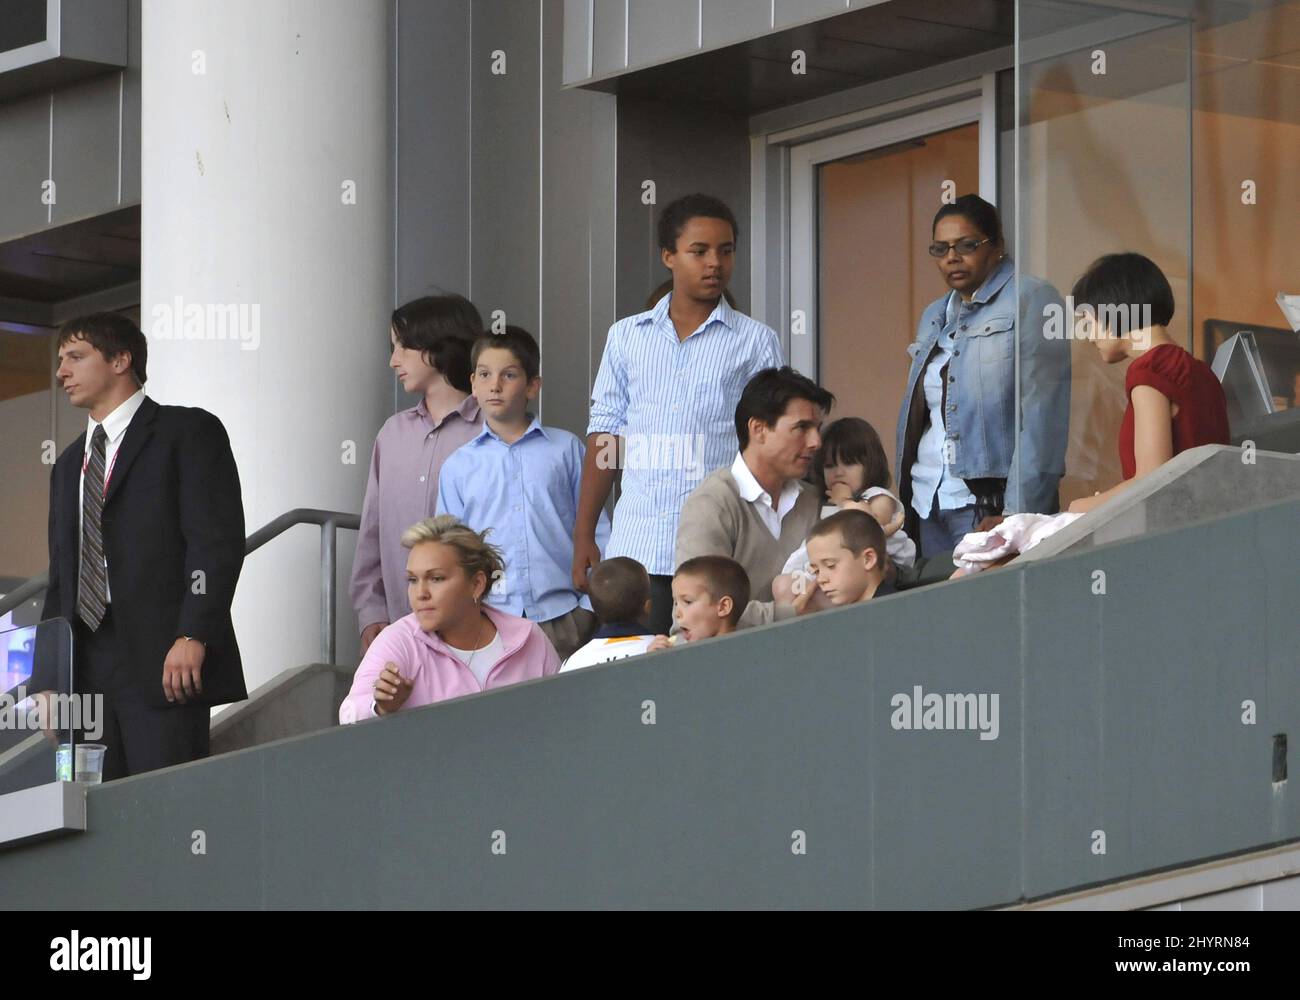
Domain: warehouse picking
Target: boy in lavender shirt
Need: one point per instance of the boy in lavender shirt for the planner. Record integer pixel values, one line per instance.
(522, 481)
(431, 339)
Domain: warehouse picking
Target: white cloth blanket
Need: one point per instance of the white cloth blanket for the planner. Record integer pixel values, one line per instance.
(1018, 533)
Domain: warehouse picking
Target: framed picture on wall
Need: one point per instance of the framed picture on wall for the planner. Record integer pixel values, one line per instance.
(1279, 349)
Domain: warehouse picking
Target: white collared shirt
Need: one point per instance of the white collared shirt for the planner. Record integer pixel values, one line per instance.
(115, 425)
(752, 492)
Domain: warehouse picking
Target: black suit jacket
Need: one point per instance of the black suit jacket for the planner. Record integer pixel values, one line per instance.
(173, 527)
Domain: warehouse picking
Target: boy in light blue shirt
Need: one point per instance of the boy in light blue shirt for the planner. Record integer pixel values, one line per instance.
(522, 481)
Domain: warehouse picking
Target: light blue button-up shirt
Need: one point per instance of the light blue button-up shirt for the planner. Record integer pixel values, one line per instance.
(527, 494)
(674, 404)
(930, 472)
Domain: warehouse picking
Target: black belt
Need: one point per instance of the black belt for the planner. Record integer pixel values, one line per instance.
(990, 497)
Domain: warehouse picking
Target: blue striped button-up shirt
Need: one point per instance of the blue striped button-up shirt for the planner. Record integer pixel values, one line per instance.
(527, 494)
(674, 404)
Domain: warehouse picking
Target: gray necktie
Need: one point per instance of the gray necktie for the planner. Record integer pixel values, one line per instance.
(92, 588)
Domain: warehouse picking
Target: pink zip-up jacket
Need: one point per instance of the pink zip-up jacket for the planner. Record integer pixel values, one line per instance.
(424, 658)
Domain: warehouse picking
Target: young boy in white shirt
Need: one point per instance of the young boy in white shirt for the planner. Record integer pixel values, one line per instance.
(619, 589)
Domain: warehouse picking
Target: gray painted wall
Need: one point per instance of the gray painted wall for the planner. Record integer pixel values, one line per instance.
(610, 36)
(85, 137)
(505, 183)
(508, 184)
(1119, 713)
(683, 150)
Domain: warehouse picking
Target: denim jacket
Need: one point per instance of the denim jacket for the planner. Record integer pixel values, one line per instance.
(981, 391)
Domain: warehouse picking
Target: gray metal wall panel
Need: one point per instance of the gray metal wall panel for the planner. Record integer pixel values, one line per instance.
(505, 146)
(682, 150)
(1148, 685)
(96, 30)
(433, 129)
(609, 36)
(654, 31)
(88, 132)
(790, 12)
(441, 182)
(577, 40)
(1283, 894)
(658, 30)
(86, 136)
(130, 165)
(605, 226)
(727, 21)
(573, 158)
(917, 776)
(1280, 691)
(24, 165)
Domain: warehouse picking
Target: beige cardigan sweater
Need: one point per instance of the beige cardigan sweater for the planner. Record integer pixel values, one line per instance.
(715, 521)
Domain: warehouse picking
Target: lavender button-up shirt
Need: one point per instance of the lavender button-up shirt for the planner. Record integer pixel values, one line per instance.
(402, 489)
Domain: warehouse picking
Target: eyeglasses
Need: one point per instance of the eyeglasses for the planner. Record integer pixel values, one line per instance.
(964, 247)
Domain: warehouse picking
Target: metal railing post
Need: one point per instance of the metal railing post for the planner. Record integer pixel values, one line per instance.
(328, 574)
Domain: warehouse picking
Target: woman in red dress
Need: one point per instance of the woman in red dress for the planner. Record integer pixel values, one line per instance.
(1175, 402)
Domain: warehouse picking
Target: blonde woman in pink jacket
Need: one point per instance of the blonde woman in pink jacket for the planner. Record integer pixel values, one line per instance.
(451, 644)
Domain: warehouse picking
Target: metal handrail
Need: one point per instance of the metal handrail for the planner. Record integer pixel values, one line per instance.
(24, 592)
(329, 521)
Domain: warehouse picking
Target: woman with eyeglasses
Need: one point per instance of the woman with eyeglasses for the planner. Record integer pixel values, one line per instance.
(959, 459)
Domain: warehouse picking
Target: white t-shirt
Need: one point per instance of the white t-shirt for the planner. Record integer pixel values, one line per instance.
(605, 650)
(899, 548)
(480, 661)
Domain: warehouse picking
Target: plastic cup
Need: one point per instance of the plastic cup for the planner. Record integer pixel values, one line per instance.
(90, 762)
(63, 762)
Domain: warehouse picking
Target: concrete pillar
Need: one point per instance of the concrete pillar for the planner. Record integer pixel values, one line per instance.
(267, 237)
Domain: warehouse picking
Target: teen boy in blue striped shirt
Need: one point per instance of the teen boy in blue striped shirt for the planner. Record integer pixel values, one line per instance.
(664, 403)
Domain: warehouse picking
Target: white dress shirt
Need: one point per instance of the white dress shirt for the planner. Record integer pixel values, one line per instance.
(752, 492)
(115, 425)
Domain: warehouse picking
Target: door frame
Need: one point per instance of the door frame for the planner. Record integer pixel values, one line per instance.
(784, 194)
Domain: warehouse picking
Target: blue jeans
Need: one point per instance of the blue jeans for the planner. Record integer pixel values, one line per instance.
(943, 529)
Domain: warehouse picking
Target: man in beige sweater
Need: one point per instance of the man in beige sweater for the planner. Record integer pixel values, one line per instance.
(759, 510)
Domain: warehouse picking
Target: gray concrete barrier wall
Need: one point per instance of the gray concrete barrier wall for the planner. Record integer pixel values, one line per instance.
(1121, 673)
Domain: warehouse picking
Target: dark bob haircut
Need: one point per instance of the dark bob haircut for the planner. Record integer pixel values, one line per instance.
(518, 342)
(852, 441)
(673, 219)
(981, 214)
(1118, 281)
(442, 328)
(767, 395)
(110, 334)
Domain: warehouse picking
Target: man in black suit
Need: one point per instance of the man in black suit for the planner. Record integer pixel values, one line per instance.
(146, 545)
